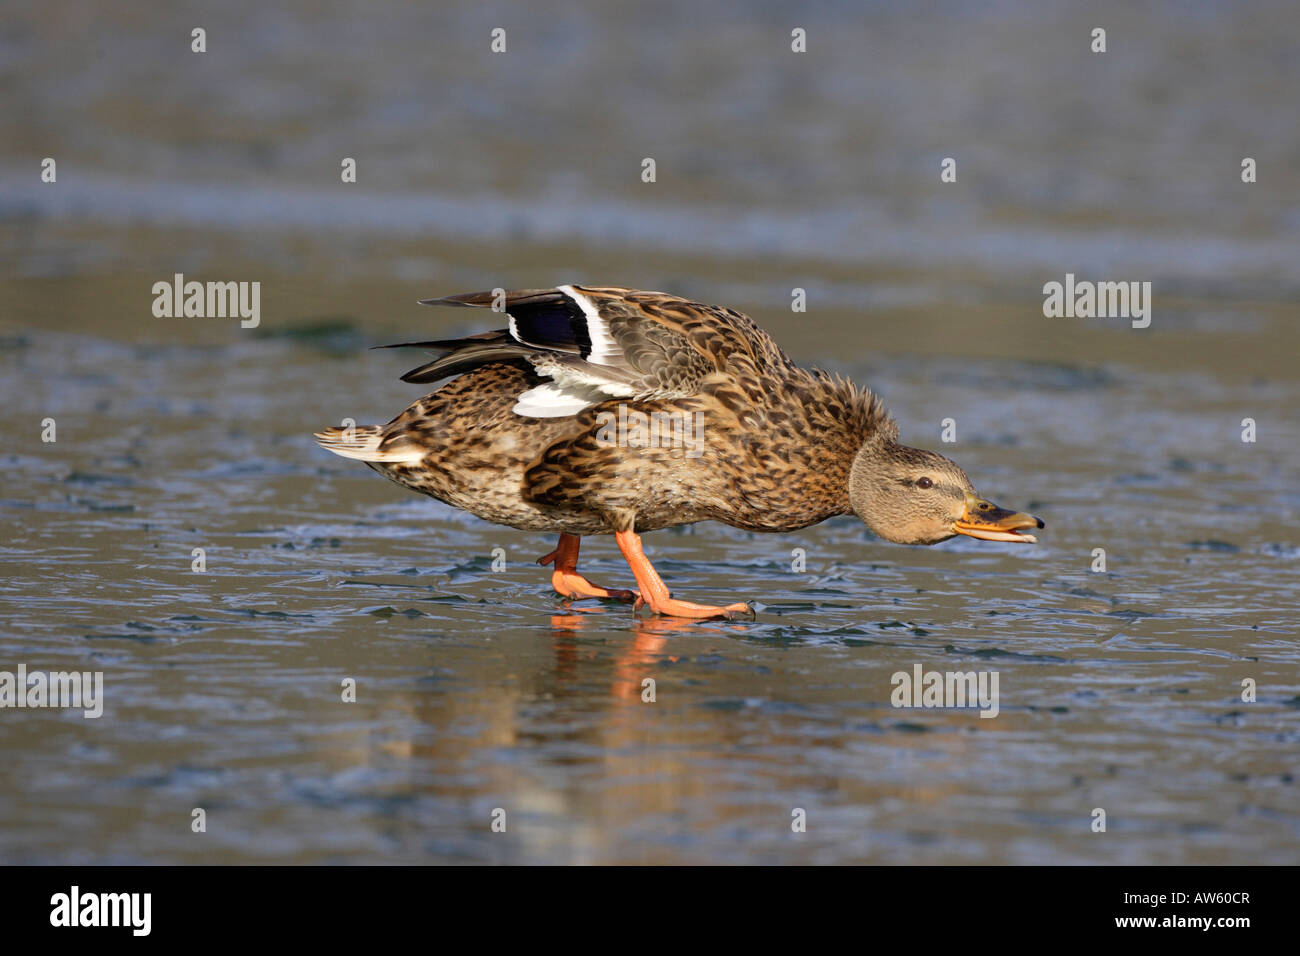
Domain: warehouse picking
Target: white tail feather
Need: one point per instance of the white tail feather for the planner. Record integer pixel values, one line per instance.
(362, 443)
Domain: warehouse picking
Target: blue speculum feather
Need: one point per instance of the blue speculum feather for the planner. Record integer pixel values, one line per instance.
(559, 325)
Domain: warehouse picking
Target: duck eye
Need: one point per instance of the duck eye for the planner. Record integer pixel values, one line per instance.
(924, 483)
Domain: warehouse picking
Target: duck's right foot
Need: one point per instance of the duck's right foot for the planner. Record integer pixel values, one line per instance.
(568, 582)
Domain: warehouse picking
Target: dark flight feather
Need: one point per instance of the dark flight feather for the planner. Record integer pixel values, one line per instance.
(463, 355)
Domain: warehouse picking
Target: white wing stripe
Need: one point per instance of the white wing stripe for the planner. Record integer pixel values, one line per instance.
(604, 350)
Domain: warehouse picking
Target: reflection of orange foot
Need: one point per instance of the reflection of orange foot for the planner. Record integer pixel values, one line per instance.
(654, 593)
(567, 581)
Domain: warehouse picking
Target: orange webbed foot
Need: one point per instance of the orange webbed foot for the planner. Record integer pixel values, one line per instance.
(573, 585)
(675, 608)
(568, 582)
(654, 593)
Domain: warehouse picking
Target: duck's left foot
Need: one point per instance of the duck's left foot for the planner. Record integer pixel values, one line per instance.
(567, 581)
(675, 608)
(654, 593)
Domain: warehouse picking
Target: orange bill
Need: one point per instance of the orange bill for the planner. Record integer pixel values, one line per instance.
(984, 519)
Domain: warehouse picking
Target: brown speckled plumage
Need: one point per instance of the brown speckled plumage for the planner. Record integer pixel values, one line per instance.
(778, 440)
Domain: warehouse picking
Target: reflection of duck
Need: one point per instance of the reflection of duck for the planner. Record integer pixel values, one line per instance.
(612, 411)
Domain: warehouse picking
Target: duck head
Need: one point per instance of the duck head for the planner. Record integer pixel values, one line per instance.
(912, 496)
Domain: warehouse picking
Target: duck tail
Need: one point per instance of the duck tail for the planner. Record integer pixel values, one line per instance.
(366, 443)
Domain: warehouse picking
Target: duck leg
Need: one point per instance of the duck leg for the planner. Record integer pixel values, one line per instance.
(567, 581)
(655, 593)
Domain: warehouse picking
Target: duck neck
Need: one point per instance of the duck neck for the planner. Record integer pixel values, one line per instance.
(845, 422)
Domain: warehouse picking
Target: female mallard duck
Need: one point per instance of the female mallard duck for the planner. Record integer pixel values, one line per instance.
(611, 411)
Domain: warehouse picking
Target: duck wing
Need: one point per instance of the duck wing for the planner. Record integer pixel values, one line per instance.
(591, 344)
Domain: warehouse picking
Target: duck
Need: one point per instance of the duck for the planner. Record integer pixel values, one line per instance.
(603, 410)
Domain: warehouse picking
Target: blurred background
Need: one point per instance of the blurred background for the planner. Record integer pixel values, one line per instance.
(775, 170)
